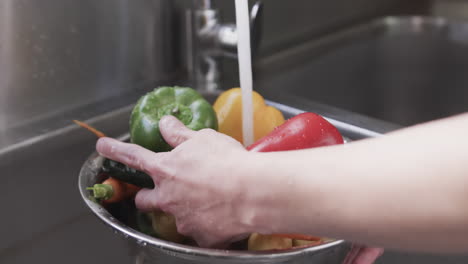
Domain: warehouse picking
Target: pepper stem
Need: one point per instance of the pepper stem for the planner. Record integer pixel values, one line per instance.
(102, 191)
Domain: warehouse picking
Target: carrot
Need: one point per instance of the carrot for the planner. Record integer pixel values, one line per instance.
(110, 190)
(113, 191)
(93, 130)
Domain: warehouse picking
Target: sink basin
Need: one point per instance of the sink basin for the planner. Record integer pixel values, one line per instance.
(404, 70)
(121, 217)
(41, 180)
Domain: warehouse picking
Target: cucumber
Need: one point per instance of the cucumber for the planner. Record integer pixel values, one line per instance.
(126, 174)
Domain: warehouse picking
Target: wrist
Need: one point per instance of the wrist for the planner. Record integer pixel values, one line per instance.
(283, 196)
(266, 196)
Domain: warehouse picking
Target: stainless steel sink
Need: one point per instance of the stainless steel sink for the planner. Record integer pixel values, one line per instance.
(403, 70)
(45, 220)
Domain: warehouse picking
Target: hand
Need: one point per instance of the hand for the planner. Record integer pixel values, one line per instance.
(200, 181)
(363, 255)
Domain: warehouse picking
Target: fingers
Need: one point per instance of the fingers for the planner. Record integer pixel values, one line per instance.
(146, 201)
(368, 255)
(130, 154)
(174, 131)
(208, 242)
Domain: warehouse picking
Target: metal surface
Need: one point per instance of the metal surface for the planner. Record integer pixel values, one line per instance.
(404, 70)
(39, 179)
(210, 40)
(154, 250)
(40, 152)
(44, 219)
(289, 23)
(58, 55)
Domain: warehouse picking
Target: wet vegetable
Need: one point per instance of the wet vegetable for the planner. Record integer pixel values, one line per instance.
(126, 174)
(306, 130)
(306, 243)
(259, 242)
(164, 227)
(184, 103)
(113, 191)
(91, 129)
(144, 223)
(124, 177)
(228, 107)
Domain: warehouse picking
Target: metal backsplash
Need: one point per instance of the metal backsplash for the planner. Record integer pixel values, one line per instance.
(60, 56)
(289, 23)
(56, 55)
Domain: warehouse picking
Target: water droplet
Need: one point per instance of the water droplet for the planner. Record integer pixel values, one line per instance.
(141, 243)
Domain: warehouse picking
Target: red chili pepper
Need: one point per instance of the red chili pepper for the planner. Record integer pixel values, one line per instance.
(306, 130)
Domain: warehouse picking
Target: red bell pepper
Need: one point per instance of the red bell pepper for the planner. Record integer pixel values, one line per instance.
(306, 130)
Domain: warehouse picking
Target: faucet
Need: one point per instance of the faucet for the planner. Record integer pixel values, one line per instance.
(209, 40)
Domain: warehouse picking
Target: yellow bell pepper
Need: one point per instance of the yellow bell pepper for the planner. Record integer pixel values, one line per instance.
(228, 108)
(259, 242)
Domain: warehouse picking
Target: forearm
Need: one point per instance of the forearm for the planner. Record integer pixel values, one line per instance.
(404, 190)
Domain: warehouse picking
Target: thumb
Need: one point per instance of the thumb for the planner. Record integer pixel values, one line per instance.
(174, 131)
(146, 200)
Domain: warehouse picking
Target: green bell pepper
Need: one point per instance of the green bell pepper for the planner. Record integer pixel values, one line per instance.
(185, 104)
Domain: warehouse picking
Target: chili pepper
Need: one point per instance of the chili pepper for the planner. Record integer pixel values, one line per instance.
(306, 130)
(228, 108)
(113, 191)
(184, 103)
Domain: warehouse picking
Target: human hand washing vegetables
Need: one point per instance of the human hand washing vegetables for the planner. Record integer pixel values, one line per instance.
(405, 190)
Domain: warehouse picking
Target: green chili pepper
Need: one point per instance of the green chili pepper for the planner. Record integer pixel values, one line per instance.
(185, 104)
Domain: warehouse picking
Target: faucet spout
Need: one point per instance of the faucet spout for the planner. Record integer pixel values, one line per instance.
(209, 40)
